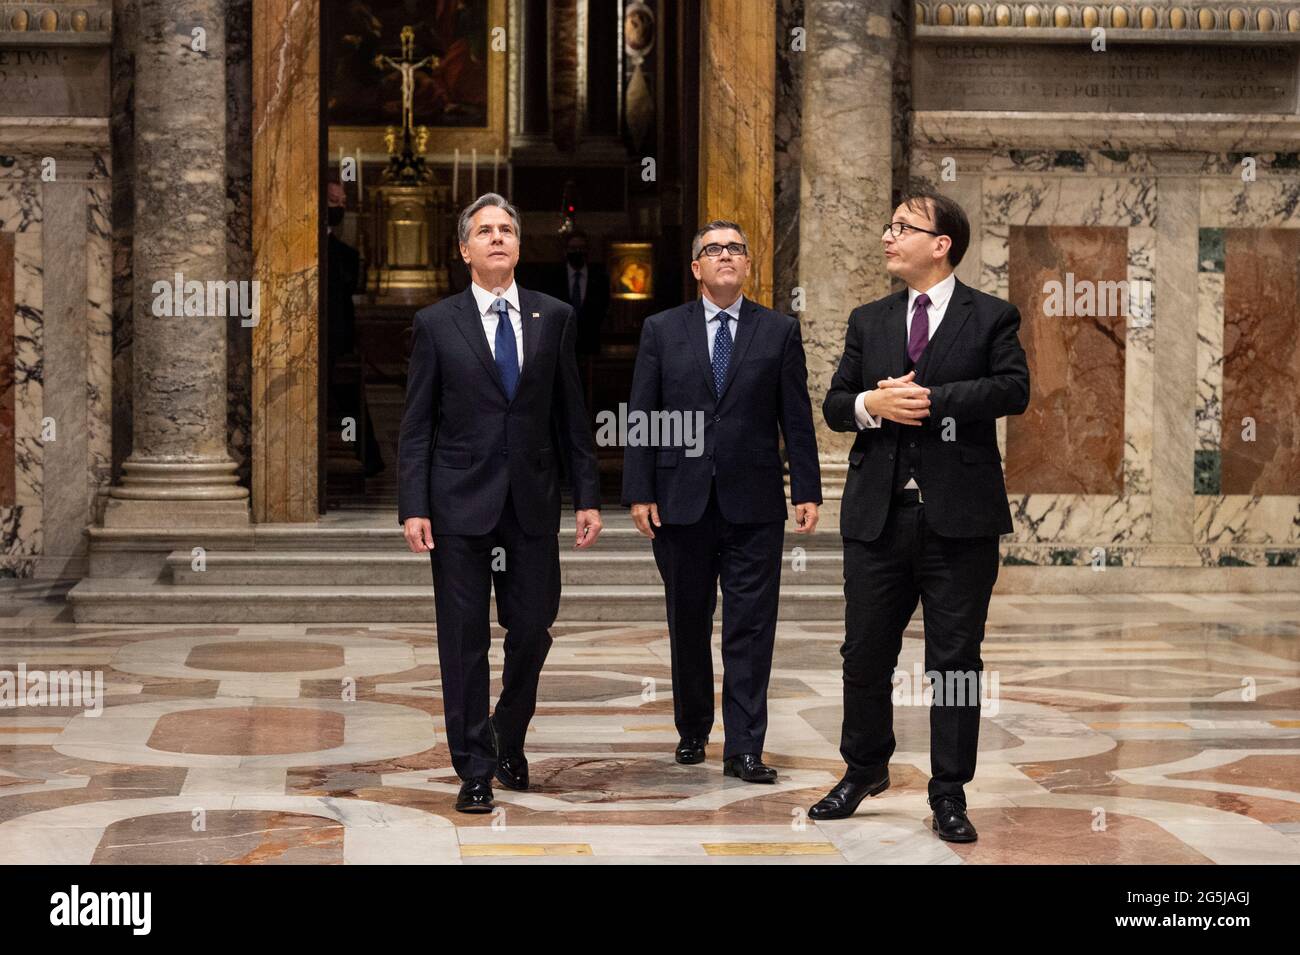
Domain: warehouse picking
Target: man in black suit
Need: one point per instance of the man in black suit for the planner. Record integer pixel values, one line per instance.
(491, 391)
(584, 285)
(713, 504)
(925, 375)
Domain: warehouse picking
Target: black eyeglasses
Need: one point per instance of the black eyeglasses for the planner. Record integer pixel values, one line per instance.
(714, 249)
(896, 229)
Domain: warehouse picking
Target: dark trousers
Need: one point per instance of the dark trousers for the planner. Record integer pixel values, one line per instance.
(747, 558)
(528, 598)
(883, 579)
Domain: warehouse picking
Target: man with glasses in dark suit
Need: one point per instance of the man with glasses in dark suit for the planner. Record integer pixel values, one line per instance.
(926, 373)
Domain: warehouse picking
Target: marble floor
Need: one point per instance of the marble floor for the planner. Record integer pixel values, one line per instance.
(1161, 728)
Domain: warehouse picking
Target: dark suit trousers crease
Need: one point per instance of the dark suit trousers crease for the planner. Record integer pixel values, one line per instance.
(747, 558)
(528, 598)
(953, 578)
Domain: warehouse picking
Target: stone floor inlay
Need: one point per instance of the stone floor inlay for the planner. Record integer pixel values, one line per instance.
(1162, 728)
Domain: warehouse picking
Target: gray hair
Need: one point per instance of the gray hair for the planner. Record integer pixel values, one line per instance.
(482, 202)
(697, 244)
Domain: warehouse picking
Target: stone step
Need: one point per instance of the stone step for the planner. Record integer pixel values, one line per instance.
(355, 569)
(112, 600)
(367, 535)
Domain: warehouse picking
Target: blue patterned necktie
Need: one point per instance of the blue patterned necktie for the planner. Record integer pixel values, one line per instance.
(507, 353)
(721, 351)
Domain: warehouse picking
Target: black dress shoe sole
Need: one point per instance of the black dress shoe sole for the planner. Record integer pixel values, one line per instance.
(728, 771)
(690, 760)
(476, 809)
(950, 838)
(847, 811)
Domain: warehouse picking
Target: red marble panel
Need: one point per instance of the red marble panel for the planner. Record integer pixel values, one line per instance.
(1071, 438)
(1261, 361)
(248, 731)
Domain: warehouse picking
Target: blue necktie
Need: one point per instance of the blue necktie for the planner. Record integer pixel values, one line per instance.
(507, 354)
(721, 351)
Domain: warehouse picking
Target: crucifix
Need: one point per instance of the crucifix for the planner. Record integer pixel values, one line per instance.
(407, 67)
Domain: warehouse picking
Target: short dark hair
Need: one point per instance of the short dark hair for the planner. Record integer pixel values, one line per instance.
(697, 244)
(949, 219)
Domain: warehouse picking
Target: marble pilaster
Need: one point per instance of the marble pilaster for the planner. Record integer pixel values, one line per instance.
(286, 240)
(179, 471)
(1173, 449)
(737, 125)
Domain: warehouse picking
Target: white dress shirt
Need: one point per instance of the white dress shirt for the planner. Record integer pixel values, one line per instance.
(488, 314)
(940, 295)
(733, 319)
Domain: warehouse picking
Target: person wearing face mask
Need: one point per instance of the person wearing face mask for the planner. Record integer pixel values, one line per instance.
(585, 286)
(343, 276)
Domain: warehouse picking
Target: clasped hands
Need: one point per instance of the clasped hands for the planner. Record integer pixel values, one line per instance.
(898, 399)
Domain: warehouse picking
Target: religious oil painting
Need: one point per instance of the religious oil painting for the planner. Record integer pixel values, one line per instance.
(449, 87)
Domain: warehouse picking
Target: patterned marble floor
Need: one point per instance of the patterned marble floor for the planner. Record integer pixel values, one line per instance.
(1156, 728)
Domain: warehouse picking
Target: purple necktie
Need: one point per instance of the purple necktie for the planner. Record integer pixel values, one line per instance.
(920, 336)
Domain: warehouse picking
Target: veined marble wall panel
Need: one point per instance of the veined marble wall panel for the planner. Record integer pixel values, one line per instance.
(56, 454)
(7, 477)
(1118, 188)
(1248, 511)
(20, 522)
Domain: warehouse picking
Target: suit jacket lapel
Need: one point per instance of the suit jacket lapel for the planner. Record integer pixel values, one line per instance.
(470, 324)
(745, 326)
(959, 309)
(698, 337)
(895, 332)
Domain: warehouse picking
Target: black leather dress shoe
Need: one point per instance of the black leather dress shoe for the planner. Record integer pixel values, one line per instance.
(475, 796)
(690, 750)
(842, 801)
(950, 821)
(512, 771)
(749, 767)
(512, 767)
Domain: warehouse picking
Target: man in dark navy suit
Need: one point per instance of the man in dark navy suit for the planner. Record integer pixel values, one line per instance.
(493, 406)
(713, 504)
(926, 373)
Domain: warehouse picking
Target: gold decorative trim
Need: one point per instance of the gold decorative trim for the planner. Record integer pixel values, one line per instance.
(88, 22)
(1243, 16)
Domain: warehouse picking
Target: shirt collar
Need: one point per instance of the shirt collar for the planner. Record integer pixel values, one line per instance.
(484, 299)
(710, 310)
(939, 294)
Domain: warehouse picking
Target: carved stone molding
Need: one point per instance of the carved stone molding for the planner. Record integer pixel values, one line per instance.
(88, 23)
(938, 17)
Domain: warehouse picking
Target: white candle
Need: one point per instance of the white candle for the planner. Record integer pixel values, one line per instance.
(496, 166)
(473, 172)
(455, 176)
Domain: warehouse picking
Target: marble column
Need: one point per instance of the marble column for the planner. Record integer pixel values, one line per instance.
(737, 125)
(179, 472)
(846, 188)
